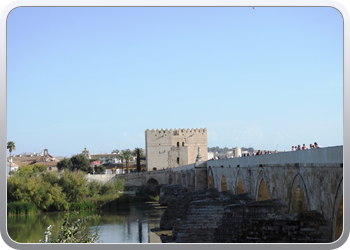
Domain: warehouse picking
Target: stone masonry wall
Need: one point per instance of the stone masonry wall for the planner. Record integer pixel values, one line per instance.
(248, 225)
(209, 216)
(163, 147)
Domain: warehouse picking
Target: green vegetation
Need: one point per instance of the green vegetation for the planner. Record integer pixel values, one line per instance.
(115, 151)
(126, 156)
(64, 164)
(100, 168)
(19, 208)
(47, 191)
(77, 162)
(72, 232)
(145, 193)
(11, 146)
(138, 152)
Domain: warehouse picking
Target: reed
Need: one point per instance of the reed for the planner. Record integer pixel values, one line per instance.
(18, 208)
(81, 206)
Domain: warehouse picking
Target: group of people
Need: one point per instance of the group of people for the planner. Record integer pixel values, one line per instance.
(260, 152)
(296, 148)
(219, 158)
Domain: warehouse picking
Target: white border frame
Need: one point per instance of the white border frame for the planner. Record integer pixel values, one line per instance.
(255, 3)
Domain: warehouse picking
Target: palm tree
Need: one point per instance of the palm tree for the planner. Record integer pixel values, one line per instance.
(11, 146)
(121, 157)
(126, 155)
(138, 152)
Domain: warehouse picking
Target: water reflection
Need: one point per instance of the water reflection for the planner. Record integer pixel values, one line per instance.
(128, 225)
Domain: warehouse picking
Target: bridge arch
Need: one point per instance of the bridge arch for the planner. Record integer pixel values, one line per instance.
(170, 179)
(193, 178)
(223, 186)
(211, 179)
(239, 185)
(298, 199)
(188, 178)
(263, 192)
(178, 178)
(152, 182)
(337, 215)
(261, 189)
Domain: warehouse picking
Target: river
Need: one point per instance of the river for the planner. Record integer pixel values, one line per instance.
(127, 225)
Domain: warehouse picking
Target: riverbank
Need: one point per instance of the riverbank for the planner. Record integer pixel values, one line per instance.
(129, 224)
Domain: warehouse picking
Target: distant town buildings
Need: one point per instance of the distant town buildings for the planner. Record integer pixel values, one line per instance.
(109, 158)
(111, 162)
(42, 158)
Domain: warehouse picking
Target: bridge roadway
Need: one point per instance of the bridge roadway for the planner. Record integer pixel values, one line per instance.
(306, 180)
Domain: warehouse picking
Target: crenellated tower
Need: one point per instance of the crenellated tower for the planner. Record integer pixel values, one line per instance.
(174, 147)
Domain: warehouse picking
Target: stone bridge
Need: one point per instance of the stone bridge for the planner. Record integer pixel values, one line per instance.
(306, 180)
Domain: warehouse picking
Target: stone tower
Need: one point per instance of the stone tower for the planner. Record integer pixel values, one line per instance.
(174, 148)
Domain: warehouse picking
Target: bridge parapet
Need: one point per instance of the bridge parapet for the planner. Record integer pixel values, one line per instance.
(316, 157)
(183, 168)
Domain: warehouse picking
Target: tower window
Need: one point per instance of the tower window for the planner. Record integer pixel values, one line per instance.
(183, 144)
(178, 160)
(178, 144)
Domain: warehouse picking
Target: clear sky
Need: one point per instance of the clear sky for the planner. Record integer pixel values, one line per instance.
(99, 77)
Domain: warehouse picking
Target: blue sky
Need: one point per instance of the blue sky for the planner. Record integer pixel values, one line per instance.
(99, 77)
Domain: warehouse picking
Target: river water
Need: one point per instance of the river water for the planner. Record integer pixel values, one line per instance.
(127, 225)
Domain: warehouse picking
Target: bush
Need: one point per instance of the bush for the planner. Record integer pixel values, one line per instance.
(74, 185)
(119, 185)
(108, 189)
(72, 232)
(154, 198)
(94, 188)
(100, 169)
(49, 192)
(26, 187)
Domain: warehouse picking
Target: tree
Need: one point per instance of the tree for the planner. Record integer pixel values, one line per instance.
(100, 169)
(74, 185)
(138, 152)
(64, 164)
(80, 162)
(121, 158)
(11, 146)
(33, 184)
(39, 168)
(126, 155)
(116, 151)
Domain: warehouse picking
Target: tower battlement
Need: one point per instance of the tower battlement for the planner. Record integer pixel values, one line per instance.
(176, 131)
